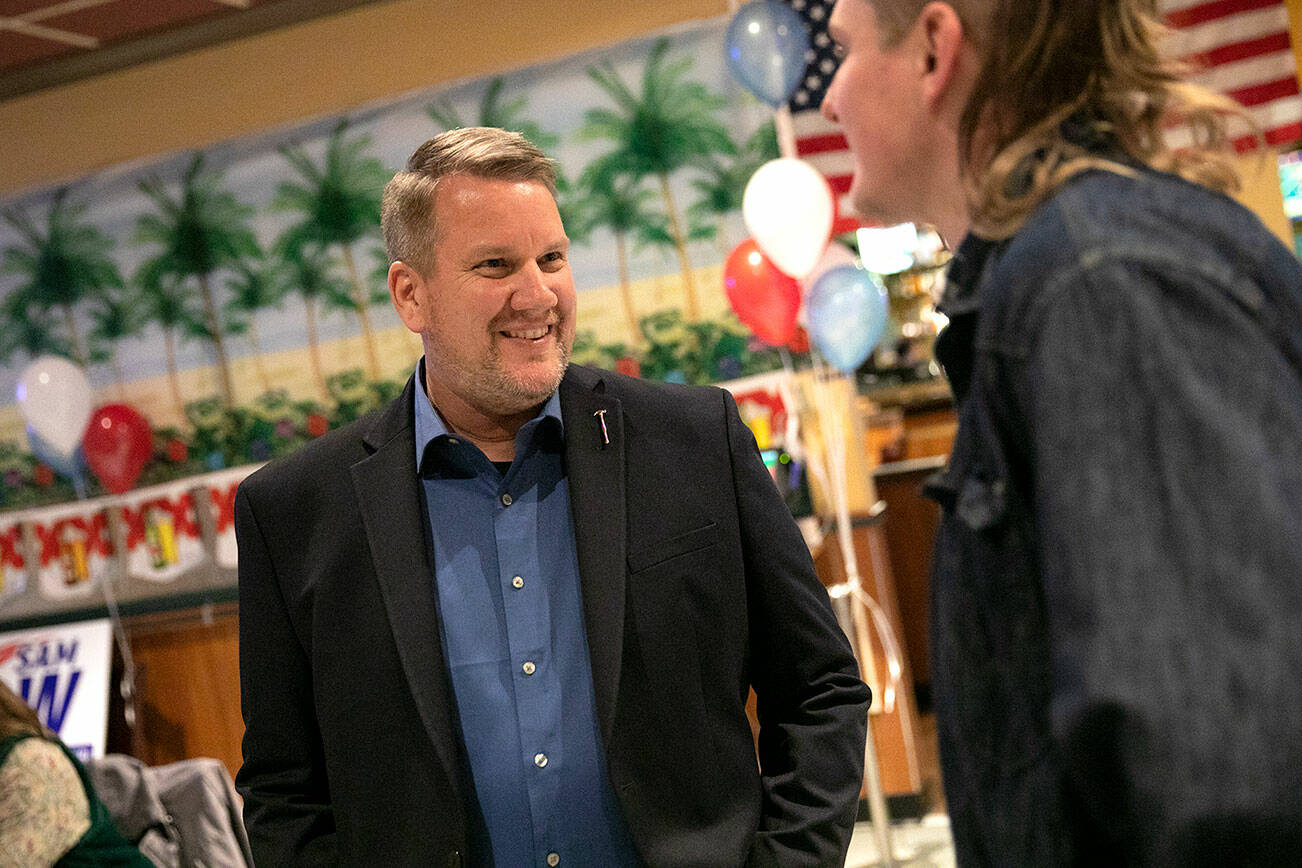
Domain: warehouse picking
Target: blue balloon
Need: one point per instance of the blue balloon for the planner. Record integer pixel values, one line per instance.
(847, 309)
(72, 465)
(767, 43)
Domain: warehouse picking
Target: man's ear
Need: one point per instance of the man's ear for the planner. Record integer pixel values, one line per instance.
(404, 283)
(939, 32)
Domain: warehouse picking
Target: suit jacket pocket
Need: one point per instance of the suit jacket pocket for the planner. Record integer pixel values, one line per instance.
(684, 543)
(665, 648)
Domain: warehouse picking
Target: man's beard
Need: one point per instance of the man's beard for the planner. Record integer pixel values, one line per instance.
(495, 390)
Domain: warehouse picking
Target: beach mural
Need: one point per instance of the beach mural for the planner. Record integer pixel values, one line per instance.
(236, 298)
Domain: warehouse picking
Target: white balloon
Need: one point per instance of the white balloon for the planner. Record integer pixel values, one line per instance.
(54, 397)
(788, 209)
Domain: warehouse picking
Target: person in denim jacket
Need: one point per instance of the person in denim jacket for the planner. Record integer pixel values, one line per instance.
(1117, 589)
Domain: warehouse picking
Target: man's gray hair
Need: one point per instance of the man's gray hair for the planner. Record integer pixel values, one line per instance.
(407, 208)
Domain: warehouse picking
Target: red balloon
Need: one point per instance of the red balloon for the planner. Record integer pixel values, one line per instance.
(765, 299)
(118, 442)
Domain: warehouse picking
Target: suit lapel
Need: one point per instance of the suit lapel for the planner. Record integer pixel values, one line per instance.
(389, 500)
(597, 503)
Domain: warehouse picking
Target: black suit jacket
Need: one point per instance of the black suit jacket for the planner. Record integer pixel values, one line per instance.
(696, 585)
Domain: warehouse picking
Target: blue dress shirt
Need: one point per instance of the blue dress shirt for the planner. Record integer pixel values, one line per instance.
(511, 613)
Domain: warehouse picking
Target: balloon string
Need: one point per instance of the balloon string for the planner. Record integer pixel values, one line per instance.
(885, 634)
(128, 686)
(829, 469)
(785, 128)
(831, 475)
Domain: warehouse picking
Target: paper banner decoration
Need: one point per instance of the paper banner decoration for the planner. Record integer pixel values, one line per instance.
(221, 494)
(74, 549)
(13, 567)
(162, 534)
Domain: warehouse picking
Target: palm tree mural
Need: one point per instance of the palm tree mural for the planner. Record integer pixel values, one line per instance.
(619, 203)
(670, 125)
(493, 112)
(27, 330)
(167, 307)
(116, 317)
(340, 204)
(257, 284)
(200, 232)
(310, 273)
(62, 265)
(724, 184)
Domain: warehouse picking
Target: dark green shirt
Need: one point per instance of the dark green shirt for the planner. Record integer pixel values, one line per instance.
(102, 844)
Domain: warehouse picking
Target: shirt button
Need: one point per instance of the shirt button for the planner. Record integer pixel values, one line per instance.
(506, 500)
(553, 859)
(517, 582)
(528, 667)
(540, 760)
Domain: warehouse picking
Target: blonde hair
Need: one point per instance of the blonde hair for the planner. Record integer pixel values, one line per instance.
(407, 206)
(1095, 63)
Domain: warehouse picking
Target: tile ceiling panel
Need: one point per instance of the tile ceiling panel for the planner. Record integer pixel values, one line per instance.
(9, 8)
(125, 18)
(49, 42)
(18, 49)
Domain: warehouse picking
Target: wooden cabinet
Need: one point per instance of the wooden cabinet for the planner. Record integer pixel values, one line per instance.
(911, 520)
(187, 688)
(893, 718)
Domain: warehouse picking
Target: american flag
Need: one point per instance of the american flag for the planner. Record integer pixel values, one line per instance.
(817, 141)
(1241, 48)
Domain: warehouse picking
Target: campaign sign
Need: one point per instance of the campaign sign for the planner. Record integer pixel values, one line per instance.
(63, 672)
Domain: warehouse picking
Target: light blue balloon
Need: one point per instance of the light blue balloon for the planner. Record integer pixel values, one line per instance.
(69, 464)
(766, 44)
(847, 309)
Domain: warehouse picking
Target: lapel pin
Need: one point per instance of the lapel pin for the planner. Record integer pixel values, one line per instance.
(605, 435)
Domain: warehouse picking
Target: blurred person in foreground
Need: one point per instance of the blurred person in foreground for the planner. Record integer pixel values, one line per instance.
(512, 618)
(49, 813)
(1117, 586)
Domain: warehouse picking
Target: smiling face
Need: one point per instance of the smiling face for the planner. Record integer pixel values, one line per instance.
(495, 311)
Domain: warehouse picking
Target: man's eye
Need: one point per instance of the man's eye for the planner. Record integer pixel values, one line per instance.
(554, 260)
(492, 264)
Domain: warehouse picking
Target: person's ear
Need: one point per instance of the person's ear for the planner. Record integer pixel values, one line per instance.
(404, 285)
(939, 32)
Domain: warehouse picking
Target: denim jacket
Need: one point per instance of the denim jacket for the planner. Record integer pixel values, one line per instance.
(1117, 588)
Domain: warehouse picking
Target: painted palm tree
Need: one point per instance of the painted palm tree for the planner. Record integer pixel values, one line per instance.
(257, 284)
(310, 273)
(62, 264)
(116, 317)
(493, 112)
(27, 330)
(202, 231)
(340, 204)
(169, 308)
(670, 125)
(724, 184)
(619, 203)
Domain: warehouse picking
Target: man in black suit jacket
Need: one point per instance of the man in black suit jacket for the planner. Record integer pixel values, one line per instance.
(694, 582)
